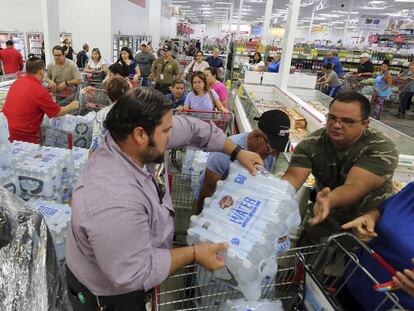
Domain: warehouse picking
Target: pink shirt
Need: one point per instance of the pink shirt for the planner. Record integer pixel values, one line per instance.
(221, 91)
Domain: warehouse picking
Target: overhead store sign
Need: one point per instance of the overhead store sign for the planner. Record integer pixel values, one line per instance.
(138, 2)
(373, 22)
(320, 29)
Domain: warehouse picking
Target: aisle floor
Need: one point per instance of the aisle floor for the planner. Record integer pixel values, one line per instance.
(406, 125)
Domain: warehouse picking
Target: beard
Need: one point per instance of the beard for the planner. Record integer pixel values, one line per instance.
(153, 155)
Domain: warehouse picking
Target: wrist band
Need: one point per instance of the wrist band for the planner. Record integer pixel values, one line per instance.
(235, 152)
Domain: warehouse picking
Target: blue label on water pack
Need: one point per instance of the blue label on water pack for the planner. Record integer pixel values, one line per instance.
(240, 179)
(47, 157)
(46, 211)
(243, 211)
(235, 241)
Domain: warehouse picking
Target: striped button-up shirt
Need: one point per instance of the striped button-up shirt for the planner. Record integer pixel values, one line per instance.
(120, 233)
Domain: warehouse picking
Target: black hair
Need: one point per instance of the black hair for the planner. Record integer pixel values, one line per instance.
(178, 81)
(9, 43)
(85, 46)
(386, 62)
(30, 55)
(328, 66)
(120, 68)
(128, 50)
(199, 51)
(260, 58)
(96, 50)
(34, 64)
(213, 71)
(138, 107)
(65, 48)
(115, 87)
(202, 77)
(352, 97)
(58, 48)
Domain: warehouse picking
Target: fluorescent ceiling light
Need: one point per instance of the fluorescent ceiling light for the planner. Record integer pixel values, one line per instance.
(220, 2)
(373, 8)
(376, 2)
(411, 1)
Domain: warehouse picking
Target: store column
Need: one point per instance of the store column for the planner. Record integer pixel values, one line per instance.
(266, 22)
(154, 20)
(240, 16)
(288, 42)
(51, 26)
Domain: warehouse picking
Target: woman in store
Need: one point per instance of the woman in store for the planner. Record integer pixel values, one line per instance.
(216, 85)
(97, 63)
(274, 65)
(119, 69)
(258, 64)
(407, 92)
(70, 52)
(198, 64)
(202, 97)
(126, 56)
(383, 89)
(329, 80)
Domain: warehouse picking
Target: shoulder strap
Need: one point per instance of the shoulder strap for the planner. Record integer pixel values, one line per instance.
(211, 98)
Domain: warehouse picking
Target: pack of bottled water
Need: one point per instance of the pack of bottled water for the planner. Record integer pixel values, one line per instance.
(251, 213)
(4, 128)
(55, 130)
(193, 165)
(80, 156)
(10, 181)
(244, 305)
(21, 150)
(5, 149)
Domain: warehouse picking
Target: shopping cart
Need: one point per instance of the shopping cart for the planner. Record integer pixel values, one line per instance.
(352, 83)
(81, 137)
(94, 79)
(93, 99)
(308, 278)
(66, 96)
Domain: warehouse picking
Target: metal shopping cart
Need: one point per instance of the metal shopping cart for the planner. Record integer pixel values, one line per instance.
(66, 96)
(93, 79)
(309, 278)
(93, 99)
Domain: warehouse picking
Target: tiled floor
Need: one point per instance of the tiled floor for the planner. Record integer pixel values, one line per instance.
(406, 125)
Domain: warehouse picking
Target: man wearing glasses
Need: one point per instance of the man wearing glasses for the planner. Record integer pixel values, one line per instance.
(269, 139)
(353, 166)
(62, 72)
(119, 244)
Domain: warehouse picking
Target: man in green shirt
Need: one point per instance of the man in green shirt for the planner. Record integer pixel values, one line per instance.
(353, 167)
(164, 70)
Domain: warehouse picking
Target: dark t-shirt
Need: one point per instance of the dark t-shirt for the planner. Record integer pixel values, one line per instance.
(81, 59)
(144, 61)
(366, 67)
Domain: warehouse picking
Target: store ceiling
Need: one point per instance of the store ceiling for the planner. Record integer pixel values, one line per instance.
(331, 12)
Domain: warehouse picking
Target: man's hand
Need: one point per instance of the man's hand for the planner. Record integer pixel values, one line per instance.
(322, 206)
(61, 86)
(74, 105)
(405, 280)
(206, 254)
(364, 225)
(52, 86)
(249, 160)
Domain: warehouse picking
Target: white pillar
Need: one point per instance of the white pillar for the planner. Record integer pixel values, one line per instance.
(154, 20)
(288, 42)
(266, 22)
(311, 23)
(231, 17)
(348, 17)
(239, 19)
(51, 26)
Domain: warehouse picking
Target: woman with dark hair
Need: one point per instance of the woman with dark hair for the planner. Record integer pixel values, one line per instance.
(198, 64)
(258, 64)
(118, 69)
(216, 85)
(97, 63)
(126, 56)
(383, 89)
(70, 51)
(202, 98)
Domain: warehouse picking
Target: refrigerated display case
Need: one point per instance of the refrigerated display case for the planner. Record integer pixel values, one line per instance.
(118, 42)
(18, 39)
(34, 41)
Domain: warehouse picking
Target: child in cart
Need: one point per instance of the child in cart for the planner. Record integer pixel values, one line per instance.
(394, 241)
(178, 94)
(202, 98)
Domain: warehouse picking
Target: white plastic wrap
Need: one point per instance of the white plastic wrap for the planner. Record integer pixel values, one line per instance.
(244, 305)
(251, 214)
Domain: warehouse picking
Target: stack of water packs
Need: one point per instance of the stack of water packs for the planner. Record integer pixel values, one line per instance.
(5, 152)
(250, 213)
(244, 305)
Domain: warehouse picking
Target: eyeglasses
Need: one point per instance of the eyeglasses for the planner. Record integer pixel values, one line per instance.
(330, 118)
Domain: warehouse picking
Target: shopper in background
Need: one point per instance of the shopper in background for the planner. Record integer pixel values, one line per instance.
(365, 67)
(382, 89)
(329, 81)
(28, 101)
(407, 93)
(198, 64)
(334, 61)
(115, 87)
(97, 63)
(82, 57)
(268, 140)
(68, 45)
(202, 97)
(198, 45)
(275, 64)
(352, 163)
(257, 64)
(62, 72)
(145, 59)
(390, 232)
(178, 95)
(126, 56)
(118, 69)
(12, 59)
(119, 243)
(215, 61)
(164, 70)
(216, 85)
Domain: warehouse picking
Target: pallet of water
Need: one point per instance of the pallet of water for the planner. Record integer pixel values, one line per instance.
(251, 213)
(245, 305)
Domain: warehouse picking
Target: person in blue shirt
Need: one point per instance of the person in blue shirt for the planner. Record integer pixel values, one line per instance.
(178, 95)
(274, 65)
(334, 61)
(268, 140)
(393, 239)
(215, 61)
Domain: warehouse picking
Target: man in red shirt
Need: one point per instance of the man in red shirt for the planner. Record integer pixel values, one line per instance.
(11, 58)
(28, 101)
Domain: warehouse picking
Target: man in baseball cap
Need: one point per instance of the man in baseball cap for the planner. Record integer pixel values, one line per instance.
(365, 67)
(145, 58)
(269, 139)
(164, 70)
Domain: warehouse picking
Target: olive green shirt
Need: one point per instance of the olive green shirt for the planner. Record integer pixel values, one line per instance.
(69, 71)
(373, 152)
(166, 71)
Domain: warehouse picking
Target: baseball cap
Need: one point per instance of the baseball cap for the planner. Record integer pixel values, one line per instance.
(276, 125)
(365, 55)
(144, 43)
(166, 47)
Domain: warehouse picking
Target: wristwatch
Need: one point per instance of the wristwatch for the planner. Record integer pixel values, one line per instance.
(66, 83)
(235, 152)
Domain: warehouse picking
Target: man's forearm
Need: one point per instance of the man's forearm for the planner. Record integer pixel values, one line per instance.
(74, 81)
(229, 146)
(64, 110)
(346, 195)
(181, 257)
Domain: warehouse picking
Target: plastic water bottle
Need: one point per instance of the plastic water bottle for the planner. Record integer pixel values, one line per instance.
(4, 128)
(245, 305)
(5, 154)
